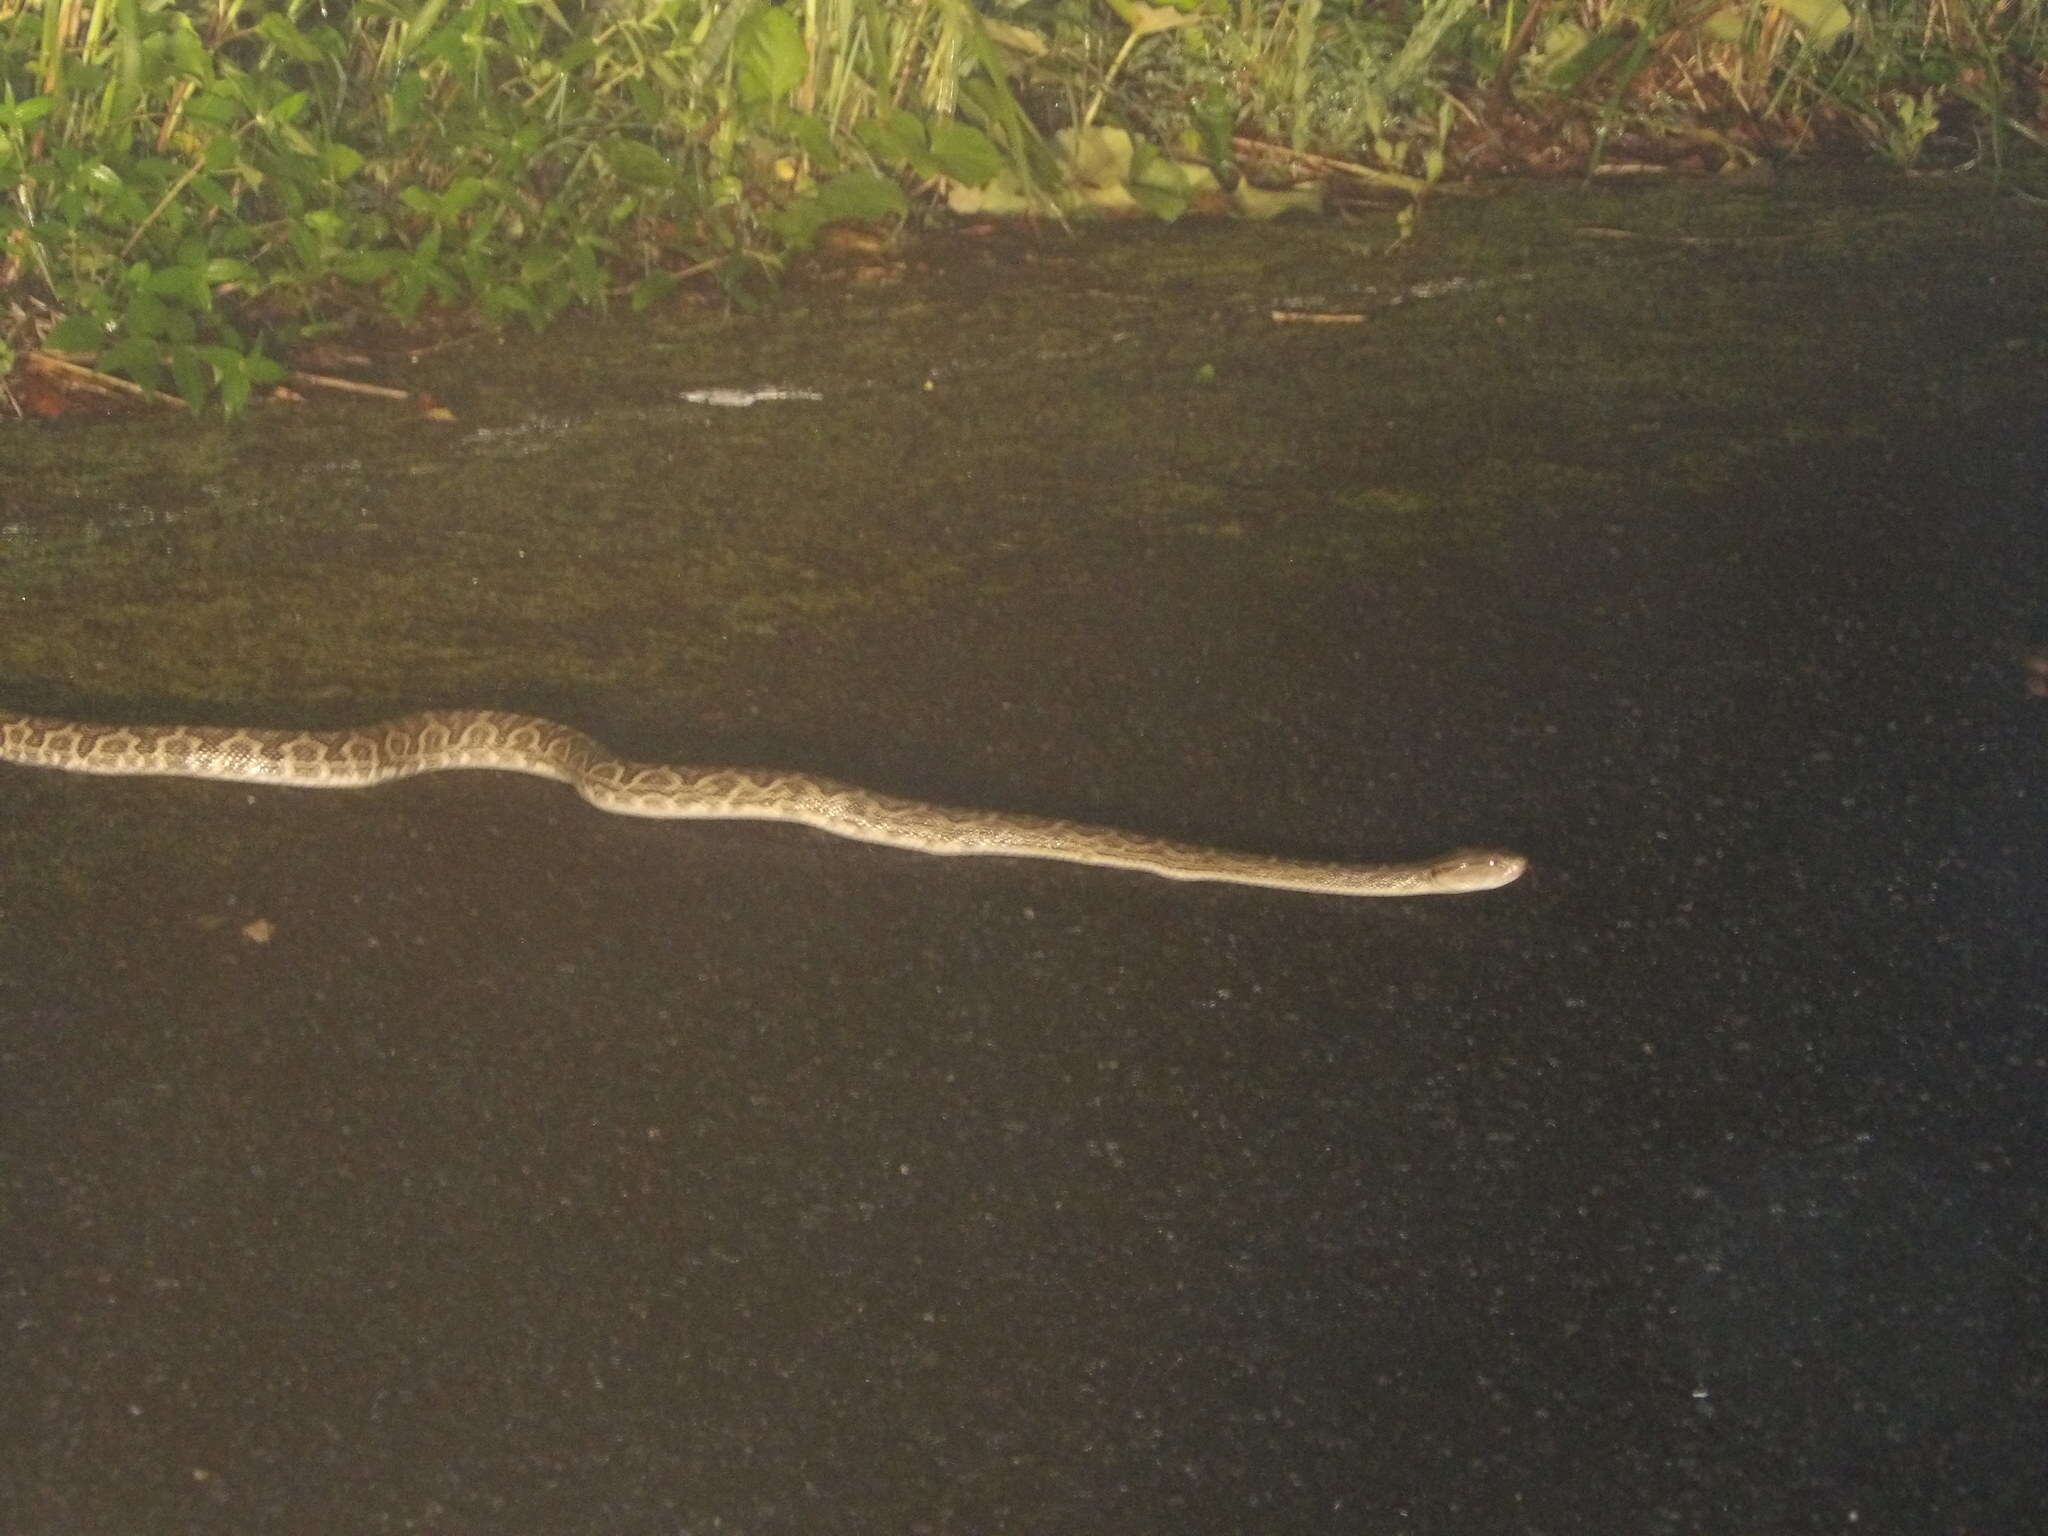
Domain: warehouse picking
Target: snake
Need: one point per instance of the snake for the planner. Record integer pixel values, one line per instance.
(436, 740)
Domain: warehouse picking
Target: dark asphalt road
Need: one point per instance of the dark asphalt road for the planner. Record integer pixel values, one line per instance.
(537, 1171)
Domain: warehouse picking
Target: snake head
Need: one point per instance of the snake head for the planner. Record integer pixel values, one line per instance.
(1475, 869)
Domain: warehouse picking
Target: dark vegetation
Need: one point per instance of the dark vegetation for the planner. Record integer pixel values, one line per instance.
(192, 189)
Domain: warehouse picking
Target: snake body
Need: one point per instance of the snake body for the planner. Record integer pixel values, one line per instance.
(437, 740)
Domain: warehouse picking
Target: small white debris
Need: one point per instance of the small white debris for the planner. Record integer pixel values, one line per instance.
(742, 397)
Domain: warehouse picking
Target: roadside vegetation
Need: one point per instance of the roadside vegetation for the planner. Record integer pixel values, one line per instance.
(193, 190)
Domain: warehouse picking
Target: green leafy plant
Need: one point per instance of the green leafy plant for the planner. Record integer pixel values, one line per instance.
(194, 187)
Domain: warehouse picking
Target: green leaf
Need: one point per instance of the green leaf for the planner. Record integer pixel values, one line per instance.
(586, 276)
(405, 99)
(965, 153)
(368, 266)
(226, 269)
(219, 104)
(1098, 157)
(860, 195)
(1004, 196)
(190, 375)
(282, 35)
(77, 333)
(234, 388)
(856, 195)
(503, 299)
(651, 290)
(135, 358)
(341, 161)
(769, 49)
(186, 284)
(146, 315)
(461, 197)
(1257, 204)
(1568, 72)
(899, 138)
(637, 164)
(189, 54)
(814, 138)
(1144, 20)
(1157, 185)
(1158, 203)
(1821, 20)
(83, 79)
(18, 115)
(1558, 46)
